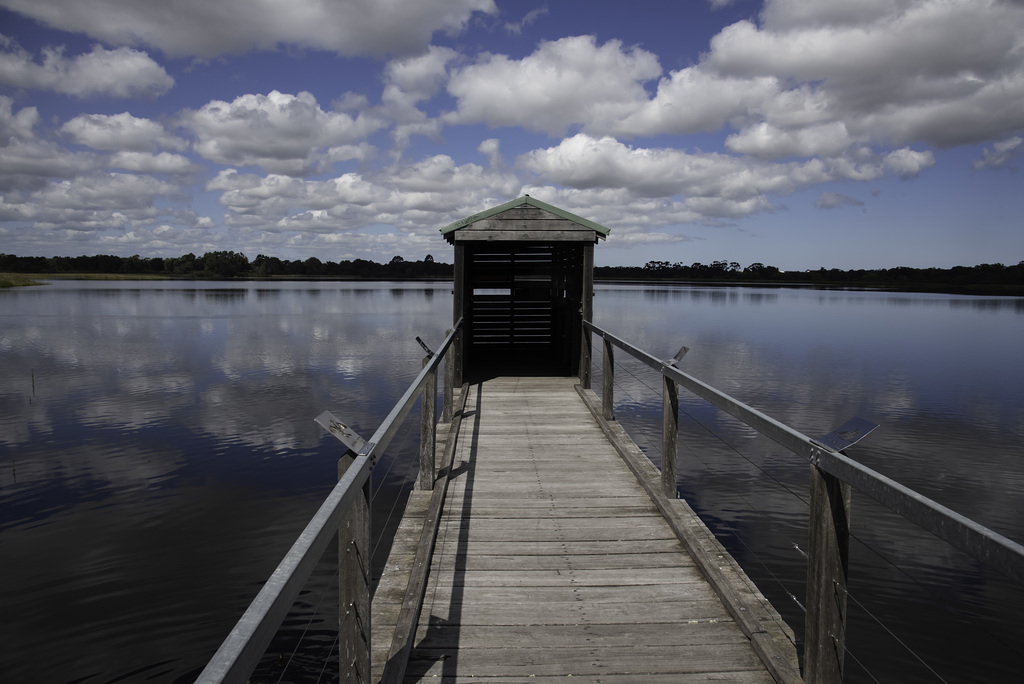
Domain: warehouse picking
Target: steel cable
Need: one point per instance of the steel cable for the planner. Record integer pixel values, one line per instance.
(895, 637)
(327, 659)
(625, 391)
(709, 469)
(405, 484)
(316, 610)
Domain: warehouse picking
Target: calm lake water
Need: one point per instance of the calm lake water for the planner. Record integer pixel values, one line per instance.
(158, 456)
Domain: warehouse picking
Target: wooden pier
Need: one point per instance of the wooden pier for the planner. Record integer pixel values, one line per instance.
(555, 554)
(542, 542)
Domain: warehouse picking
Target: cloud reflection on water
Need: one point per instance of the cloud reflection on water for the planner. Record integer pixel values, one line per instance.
(941, 376)
(159, 453)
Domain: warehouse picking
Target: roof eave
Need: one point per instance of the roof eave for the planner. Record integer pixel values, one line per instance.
(526, 199)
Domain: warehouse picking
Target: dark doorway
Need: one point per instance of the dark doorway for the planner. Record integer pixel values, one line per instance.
(524, 305)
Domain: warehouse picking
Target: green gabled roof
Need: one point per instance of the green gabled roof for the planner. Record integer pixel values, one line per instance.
(526, 199)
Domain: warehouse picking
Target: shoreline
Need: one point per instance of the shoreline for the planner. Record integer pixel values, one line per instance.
(9, 280)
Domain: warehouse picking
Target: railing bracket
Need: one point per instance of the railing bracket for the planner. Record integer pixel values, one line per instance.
(344, 433)
(674, 361)
(847, 434)
(430, 353)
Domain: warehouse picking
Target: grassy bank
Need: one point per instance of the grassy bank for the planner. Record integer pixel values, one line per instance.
(17, 280)
(105, 276)
(20, 279)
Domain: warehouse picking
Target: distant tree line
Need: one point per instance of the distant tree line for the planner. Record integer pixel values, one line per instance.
(227, 265)
(986, 277)
(663, 270)
(991, 277)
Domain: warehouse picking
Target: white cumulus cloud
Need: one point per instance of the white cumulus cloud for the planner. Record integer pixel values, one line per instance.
(692, 100)
(409, 81)
(563, 82)
(943, 73)
(279, 132)
(421, 196)
(771, 142)
(26, 160)
(121, 72)
(119, 132)
(583, 161)
(147, 162)
(207, 29)
(92, 202)
(713, 185)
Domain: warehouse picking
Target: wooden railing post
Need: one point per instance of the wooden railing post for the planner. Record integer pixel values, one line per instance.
(607, 382)
(428, 430)
(461, 300)
(448, 410)
(354, 585)
(669, 435)
(586, 296)
(827, 567)
(586, 356)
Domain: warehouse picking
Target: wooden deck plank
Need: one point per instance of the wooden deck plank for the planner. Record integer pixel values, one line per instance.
(577, 614)
(552, 560)
(521, 534)
(525, 563)
(627, 594)
(610, 577)
(510, 504)
(632, 660)
(576, 548)
(746, 677)
(531, 508)
(566, 636)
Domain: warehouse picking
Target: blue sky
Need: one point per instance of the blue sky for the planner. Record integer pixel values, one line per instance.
(796, 133)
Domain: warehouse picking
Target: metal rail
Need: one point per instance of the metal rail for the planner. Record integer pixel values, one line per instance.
(833, 475)
(241, 651)
(987, 546)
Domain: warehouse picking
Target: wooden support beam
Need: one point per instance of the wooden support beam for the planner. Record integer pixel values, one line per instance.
(449, 383)
(428, 431)
(827, 567)
(354, 580)
(586, 358)
(608, 382)
(586, 314)
(669, 436)
(459, 305)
